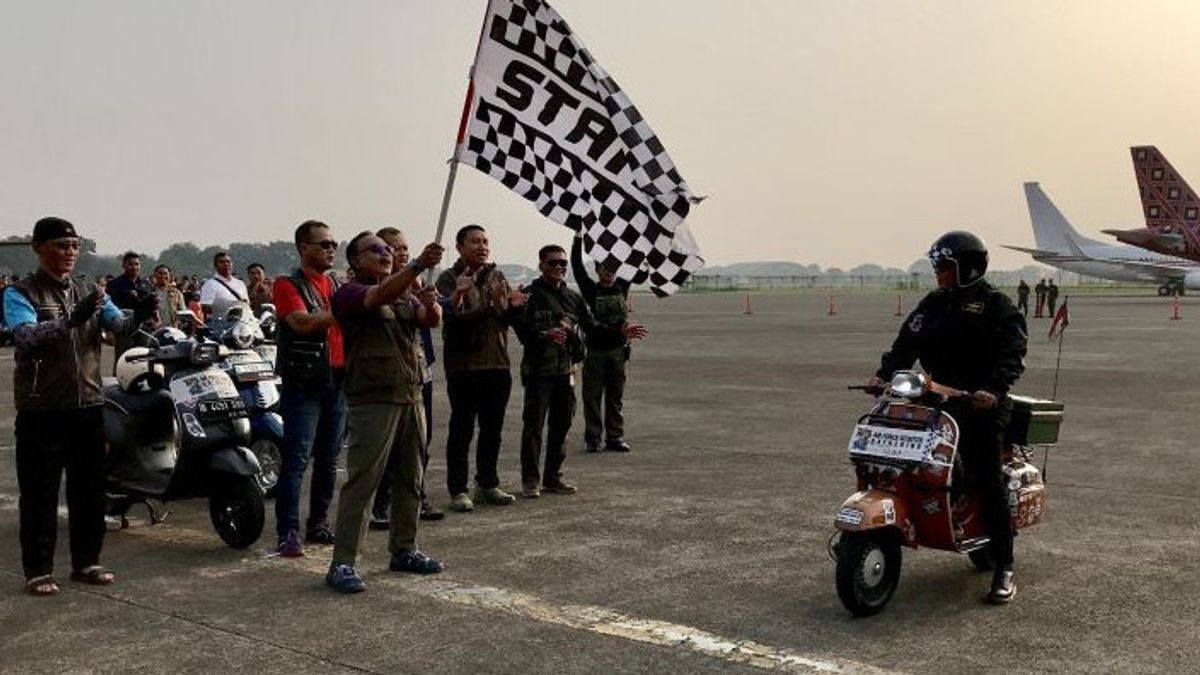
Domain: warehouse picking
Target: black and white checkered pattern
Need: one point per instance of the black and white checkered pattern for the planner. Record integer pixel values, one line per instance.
(629, 220)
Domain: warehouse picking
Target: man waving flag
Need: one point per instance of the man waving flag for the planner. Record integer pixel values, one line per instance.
(550, 124)
(1062, 319)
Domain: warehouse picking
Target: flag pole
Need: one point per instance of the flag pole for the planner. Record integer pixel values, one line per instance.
(1062, 333)
(452, 174)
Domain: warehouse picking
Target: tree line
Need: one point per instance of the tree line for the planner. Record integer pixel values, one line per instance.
(186, 258)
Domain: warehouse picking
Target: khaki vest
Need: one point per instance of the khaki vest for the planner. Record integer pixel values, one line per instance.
(381, 356)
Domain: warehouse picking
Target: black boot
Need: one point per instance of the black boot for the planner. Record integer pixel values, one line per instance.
(429, 511)
(379, 517)
(1003, 588)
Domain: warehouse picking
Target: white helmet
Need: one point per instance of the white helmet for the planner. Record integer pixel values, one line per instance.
(138, 375)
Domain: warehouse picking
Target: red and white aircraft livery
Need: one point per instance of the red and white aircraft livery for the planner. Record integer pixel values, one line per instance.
(1171, 208)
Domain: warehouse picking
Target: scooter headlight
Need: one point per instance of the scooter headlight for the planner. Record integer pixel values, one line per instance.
(269, 326)
(240, 336)
(908, 384)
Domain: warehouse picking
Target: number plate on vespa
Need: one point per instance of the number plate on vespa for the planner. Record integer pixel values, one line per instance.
(222, 409)
(896, 445)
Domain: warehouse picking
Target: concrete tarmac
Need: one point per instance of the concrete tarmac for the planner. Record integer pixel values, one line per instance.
(703, 550)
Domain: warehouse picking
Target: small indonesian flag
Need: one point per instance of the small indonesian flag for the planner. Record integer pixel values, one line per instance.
(1062, 319)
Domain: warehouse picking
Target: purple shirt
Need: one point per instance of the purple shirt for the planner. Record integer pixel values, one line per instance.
(350, 301)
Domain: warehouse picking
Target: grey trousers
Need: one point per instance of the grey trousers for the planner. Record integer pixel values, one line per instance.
(373, 429)
(603, 378)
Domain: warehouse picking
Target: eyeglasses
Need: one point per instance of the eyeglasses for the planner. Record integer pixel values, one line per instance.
(556, 262)
(67, 245)
(379, 249)
(327, 244)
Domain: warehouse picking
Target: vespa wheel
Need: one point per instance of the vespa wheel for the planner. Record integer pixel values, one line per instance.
(236, 509)
(267, 451)
(868, 570)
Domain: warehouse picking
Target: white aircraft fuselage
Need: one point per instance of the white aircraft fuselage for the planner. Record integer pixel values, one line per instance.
(1059, 245)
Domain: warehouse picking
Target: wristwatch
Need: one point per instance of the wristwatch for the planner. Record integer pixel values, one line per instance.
(415, 264)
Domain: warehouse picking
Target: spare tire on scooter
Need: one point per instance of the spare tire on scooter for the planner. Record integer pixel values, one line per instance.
(868, 570)
(236, 509)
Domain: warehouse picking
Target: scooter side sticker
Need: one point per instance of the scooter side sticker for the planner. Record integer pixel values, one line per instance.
(190, 388)
(889, 511)
(193, 425)
(850, 516)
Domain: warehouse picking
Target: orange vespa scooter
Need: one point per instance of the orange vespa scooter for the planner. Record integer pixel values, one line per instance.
(904, 453)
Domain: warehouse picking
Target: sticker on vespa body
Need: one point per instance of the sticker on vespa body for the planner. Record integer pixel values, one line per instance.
(889, 511)
(895, 444)
(190, 388)
(849, 516)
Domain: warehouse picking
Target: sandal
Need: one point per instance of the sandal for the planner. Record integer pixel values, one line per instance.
(41, 586)
(94, 575)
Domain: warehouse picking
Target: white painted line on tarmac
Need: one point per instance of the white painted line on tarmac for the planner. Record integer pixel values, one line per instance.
(661, 633)
(598, 620)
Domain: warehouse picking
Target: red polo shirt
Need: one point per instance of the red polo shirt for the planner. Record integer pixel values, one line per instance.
(287, 300)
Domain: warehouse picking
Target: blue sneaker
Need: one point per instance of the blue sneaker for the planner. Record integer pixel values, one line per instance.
(290, 546)
(343, 579)
(415, 562)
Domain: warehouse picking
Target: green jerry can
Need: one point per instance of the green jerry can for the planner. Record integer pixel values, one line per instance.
(1035, 421)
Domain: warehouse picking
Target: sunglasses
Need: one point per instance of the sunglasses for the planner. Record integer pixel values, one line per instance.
(557, 262)
(379, 249)
(67, 245)
(327, 244)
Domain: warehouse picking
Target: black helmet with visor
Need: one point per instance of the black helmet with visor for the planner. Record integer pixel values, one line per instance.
(965, 251)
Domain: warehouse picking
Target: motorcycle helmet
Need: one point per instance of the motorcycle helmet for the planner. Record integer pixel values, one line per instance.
(165, 337)
(967, 252)
(136, 373)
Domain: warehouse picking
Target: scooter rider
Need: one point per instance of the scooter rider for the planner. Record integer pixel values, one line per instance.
(970, 336)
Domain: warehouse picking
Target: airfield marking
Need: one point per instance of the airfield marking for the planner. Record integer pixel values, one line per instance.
(594, 619)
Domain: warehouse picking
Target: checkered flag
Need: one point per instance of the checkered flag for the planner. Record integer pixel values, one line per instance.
(550, 124)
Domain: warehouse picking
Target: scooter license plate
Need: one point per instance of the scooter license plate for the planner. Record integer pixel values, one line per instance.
(222, 409)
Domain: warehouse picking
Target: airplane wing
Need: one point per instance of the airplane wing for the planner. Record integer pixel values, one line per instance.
(1035, 252)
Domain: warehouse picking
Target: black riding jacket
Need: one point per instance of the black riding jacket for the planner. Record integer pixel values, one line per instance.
(968, 338)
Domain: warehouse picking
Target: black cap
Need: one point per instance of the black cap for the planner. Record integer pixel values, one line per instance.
(52, 227)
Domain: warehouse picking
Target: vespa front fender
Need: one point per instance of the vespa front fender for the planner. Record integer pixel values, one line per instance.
(236, 460)
(873, 510)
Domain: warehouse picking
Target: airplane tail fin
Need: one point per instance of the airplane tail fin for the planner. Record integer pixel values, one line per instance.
(1051, 230)
(1169, 204)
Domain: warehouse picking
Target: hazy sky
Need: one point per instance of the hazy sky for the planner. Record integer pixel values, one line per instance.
(832, 132)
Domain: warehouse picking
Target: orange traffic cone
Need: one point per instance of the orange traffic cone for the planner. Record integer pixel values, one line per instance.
(749, 310)
(832, 306)
(899, 306)
(1175, 308)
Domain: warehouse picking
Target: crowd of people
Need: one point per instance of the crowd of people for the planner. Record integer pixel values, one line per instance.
(355, 352)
